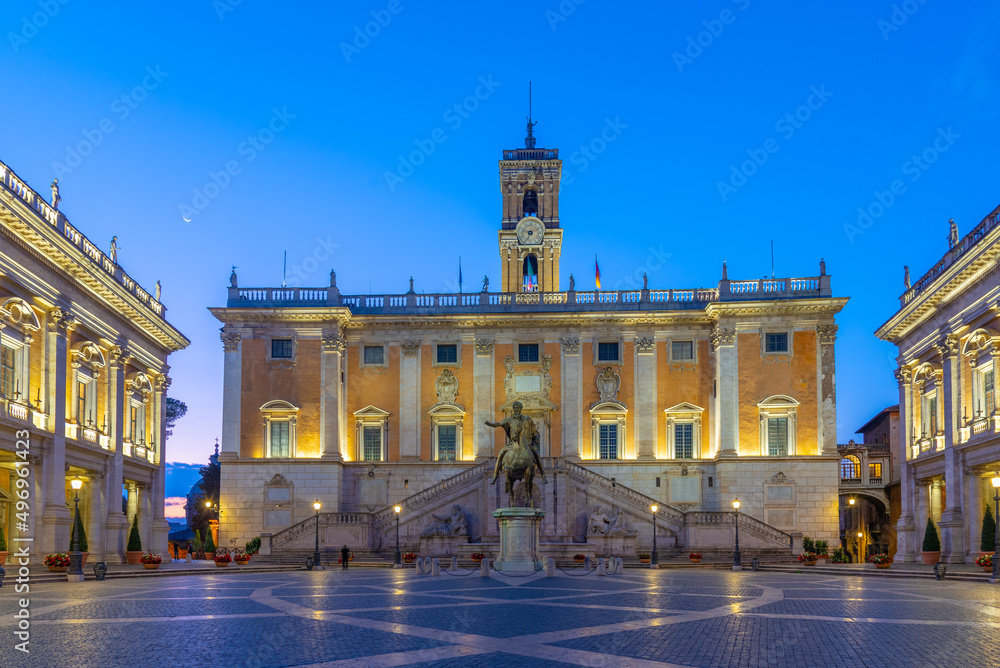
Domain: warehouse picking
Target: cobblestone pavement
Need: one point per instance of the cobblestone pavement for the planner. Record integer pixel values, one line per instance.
(377, 617)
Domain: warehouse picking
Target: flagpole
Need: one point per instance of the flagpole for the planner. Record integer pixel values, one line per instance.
(459, 274)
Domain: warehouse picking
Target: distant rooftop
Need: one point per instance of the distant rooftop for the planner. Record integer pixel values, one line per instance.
(531, 154)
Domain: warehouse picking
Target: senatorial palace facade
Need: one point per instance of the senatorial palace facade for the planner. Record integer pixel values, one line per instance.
(683, 398)
(83, 376)
(948, 333)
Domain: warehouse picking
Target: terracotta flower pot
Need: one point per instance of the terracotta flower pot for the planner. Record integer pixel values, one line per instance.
(240, 562)
(133, 556)
(58, 569)
(644, 561)
(696, 561)
(151, 567)
(883, 566)
(221, 564)
(988, 569)
(3, 557)
(83, 558)
(930, 558)
(210, 556)
(809, 563)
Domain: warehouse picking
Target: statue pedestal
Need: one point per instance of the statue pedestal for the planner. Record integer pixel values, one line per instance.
(520, 530)
(613, 545)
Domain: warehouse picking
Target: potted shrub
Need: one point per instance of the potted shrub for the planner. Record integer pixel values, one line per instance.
(84, 546)
(408, 557)
(931, 552)
(579, 558)
(133, 551)
(209, 545)
(807, 558)
(838, 556)
(822, 549)
(988, 536)
(695, 557)
(478, 557)
(58, 562)
(3, 548)
(196, 549)
(150, 561)
(808, 545)
(222, 560)
(880, 560)
(253, 545)
(644, 557)
(986, 562)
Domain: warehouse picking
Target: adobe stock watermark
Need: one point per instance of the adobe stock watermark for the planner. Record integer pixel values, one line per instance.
(589, 152)
(30, 25)
(787, 126)
(121, 108)
(363, 36)
(22, 555)
(248, 150)
(562, 12)
(900, 14)
(635, 279)
(302, 270)
(454, 116)
(697, 43)
(913, 168)
(223, 7)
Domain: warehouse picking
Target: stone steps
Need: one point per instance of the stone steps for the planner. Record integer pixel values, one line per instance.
(869, 570)
(38, 576)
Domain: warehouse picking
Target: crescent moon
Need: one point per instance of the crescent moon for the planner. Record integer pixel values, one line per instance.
(186, 220)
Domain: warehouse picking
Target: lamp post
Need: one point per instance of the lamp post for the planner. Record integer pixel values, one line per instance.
(654, 562)
(317, 566)
(737, 564)
(861, 549)
(995, 481)
(851, 501)
(398, 562)
(75, 558)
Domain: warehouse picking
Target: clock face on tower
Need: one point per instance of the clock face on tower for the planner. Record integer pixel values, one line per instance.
(530, 232)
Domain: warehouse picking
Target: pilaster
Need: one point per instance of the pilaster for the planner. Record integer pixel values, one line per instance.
(571, 390)
(331, 444)
(826, 336)
(482, 398)
(232, 382)
(952, 522)
(409, 401)
(56, 518)
(724, 342)
(645, 398)
(905, 528)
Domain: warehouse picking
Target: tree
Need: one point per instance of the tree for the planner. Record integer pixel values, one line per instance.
(134, 541)
(197, 541)
(209, 543)
(176, 409)
(932, 543)
(78, 529)
(209, 485)
(989, 533)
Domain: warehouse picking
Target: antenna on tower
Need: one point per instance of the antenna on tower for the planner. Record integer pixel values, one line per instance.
(529, 141)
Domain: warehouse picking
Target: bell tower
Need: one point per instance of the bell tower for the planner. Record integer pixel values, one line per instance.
(530, 237)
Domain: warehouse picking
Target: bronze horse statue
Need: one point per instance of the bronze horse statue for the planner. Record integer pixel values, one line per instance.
(519, 458)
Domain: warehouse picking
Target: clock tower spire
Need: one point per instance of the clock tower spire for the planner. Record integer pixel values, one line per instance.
(530, 237)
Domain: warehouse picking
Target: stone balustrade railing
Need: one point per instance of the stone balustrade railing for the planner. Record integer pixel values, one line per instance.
(434, 492)
(308, 525)
(506, 302)
(640, 502)
(747, 523)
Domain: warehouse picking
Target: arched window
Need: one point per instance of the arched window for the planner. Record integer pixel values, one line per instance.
(530, 203)
(850, 468)
(530, 273)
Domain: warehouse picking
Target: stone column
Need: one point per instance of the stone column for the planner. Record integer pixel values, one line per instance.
(974, 513)
(56, 518)
(117, 523)
(409, 401)
(826, 335)
(331, 444)
(571, 399)
(727, 436)
(157, 489)
(905, 528)
(952, 521)
(97, 511)
(645, 398)
(232, 385)
(132, 506)
(482, 399)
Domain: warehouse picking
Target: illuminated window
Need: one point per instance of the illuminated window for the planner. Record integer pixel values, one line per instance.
(683, 440)
(372, 443)
(777, 436)
(850, 468)
(8, 371)
(608, 433)
(447, 437)
(279, 428)
(281, 439)
(875, 470)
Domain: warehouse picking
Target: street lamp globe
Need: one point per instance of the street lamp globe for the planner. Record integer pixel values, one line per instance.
(316, 505)
(397, 509)
(736, 504)
(995, 481)
(208, 504)
(76, 483)
(654, 507)
(851, 502)
(859, 534)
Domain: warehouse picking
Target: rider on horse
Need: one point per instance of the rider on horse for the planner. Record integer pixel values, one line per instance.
(519, 429)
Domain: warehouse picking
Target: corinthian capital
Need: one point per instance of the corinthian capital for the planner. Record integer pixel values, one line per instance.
(903, 376)
(62, 320)
(947, 346)
(827, 333)
(722, 336)
(230, 341)
(334, 343)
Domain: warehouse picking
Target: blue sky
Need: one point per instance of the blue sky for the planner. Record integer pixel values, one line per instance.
(303, 124)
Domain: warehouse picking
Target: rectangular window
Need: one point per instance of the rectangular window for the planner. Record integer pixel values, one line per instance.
(607, 351)
(281, 349)
(681, 350)
(8, 364)
(281, 439)
(874, 470)
(776, 342)
(929, 418)
(371, 450)
(777, 437)
(447, 353)
(447, 439)
(137, 423)
(683, 440)
(527, 352)
(86, 407)
(608, 441)
(989, 393)
(81, 402)
(374, 355)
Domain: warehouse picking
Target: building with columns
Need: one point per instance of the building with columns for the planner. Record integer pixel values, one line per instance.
(947, 331)
(687, 398)
(83, 380)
